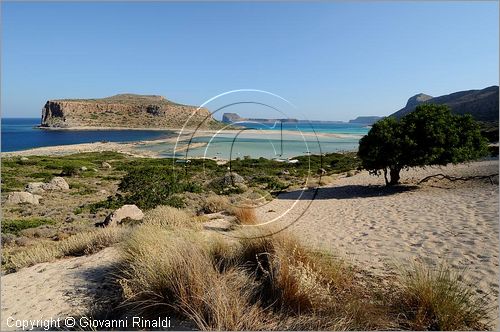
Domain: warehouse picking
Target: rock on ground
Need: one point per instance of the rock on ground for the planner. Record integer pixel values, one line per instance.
(57, 183)
(126, 211)
(231, 178)
(105, 165)
(19, 197)
(35, 187)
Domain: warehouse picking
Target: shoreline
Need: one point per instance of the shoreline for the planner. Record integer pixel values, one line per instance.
(132, 148)
(203, 132)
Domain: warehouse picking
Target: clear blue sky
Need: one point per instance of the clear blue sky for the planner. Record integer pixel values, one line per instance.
(333, 60)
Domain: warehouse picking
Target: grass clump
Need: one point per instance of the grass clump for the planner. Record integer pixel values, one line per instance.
(167, 216)
(215, 203)
(439, 299)
(84, 243)
(17, 225)
(255, 284)
(244, 215)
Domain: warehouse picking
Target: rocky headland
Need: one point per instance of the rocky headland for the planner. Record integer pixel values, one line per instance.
(124, 111)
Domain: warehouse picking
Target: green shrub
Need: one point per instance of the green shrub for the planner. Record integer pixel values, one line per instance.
(17, 225)
(70, 170)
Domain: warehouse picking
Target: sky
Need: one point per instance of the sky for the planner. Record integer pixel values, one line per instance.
(331, 60)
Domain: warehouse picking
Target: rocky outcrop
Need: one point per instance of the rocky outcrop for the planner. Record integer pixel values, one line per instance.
(124, 111)
(481, 104)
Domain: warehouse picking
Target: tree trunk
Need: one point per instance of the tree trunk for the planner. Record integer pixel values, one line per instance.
(394, 175)
(385, 176)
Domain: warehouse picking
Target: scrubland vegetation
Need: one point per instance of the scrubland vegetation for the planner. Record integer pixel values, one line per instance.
(171, 265)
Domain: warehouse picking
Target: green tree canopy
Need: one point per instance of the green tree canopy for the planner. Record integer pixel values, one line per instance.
(430, 135)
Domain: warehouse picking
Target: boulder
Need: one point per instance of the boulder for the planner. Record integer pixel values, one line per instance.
(83, 168)
(35, 187)
(125, 212)
(105, 165)
(24, 158)
(57, 183)
(232, 178)
(19, 197)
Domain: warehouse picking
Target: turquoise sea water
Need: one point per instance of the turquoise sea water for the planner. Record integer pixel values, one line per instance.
(255, 140)
(266, 141)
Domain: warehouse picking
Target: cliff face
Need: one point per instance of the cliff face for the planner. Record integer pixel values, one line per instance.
(125, 110)
(481, 104)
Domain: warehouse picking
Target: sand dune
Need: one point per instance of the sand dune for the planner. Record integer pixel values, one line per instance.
(437, 222)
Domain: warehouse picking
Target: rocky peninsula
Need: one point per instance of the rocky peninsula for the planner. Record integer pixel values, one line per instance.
(121, 111)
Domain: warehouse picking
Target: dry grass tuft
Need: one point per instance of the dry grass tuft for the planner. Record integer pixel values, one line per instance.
(262, 283)
(168, 271)
(215, 203)
(244, 215)
(84, 243)
(439, 299)
(167, 216)
(274, 283)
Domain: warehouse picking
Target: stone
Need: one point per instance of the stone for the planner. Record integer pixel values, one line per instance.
(83, 168)
(57, 183)
(24, 159)
(19, 197)
(69, 219)
(285, 172)
(35, 187)
(125, 212)
(232, 178)
(105, 165)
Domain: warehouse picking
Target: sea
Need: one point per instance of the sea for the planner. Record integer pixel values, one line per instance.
(22, 133)
(254, 140)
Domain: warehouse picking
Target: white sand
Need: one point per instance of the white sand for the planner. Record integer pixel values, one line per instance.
(57, 289)
(438, 222)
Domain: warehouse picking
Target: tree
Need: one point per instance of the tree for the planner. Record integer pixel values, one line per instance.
(430, 135)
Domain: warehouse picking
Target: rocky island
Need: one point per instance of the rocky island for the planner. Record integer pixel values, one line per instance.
(124, 111)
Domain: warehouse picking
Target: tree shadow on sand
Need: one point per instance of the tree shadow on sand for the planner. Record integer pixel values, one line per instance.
(346, 192)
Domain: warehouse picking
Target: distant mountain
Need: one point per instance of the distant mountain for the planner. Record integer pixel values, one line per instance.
(481, 104)
(366, 120)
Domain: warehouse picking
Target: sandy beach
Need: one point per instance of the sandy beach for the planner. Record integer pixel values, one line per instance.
(438, 222)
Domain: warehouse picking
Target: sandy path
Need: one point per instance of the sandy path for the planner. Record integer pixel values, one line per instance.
(457, 224)
(63, 288)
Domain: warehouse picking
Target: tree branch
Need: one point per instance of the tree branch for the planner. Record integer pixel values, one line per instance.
(454, 178)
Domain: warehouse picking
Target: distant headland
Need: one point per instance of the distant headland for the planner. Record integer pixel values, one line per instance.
(124, 111)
